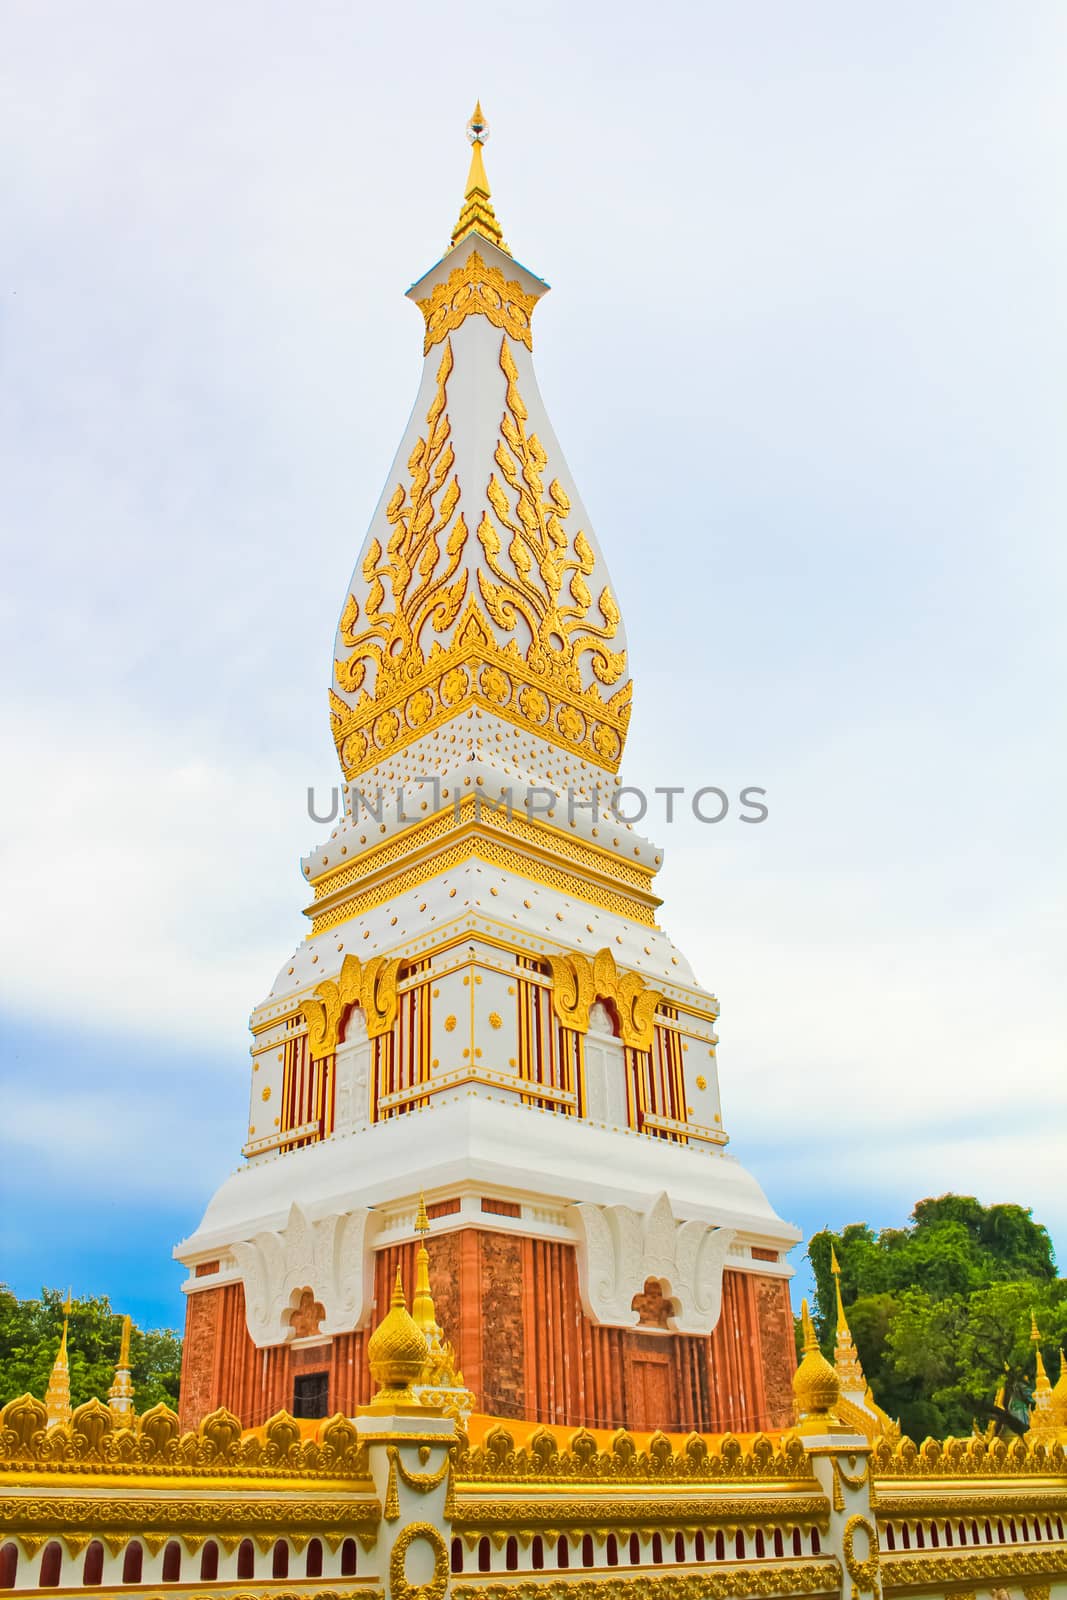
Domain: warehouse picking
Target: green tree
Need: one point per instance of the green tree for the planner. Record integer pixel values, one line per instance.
(940, 1310)
(30, 1331)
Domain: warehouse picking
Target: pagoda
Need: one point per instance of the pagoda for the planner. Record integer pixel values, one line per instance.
(486, 1011)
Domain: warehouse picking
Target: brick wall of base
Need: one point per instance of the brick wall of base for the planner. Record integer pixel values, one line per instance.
(511, 1308)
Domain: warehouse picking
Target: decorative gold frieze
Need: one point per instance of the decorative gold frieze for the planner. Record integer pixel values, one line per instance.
(966, 1458)
(928, 1572)
(700, 1458)
(370, 984)
(155, 1446)
(577, 982)
(546, 838)
(626, 1514)
(475, 289)
(131, 1517)
(495, 853)
(770, 1578)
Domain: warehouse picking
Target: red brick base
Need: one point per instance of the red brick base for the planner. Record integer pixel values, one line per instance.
(511, 1308)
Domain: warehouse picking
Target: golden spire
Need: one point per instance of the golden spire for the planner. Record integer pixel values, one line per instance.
(422, 1306)
(816, 1386)
(1058, 1399)
(846, 1357)
(440, 1371)
(477, 214)
(120, 1395)
(1042, 1387)
(57, 1395)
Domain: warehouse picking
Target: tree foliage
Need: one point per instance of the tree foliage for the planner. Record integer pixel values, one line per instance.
(30, 1331)
(940, 1310)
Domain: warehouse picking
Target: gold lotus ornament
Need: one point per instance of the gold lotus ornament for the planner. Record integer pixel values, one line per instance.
(816, 1386)
(397, 1352)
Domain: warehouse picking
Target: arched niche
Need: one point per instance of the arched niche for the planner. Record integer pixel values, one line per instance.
(605, 1068)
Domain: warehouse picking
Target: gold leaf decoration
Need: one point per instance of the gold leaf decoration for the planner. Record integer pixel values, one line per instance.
(475, 289)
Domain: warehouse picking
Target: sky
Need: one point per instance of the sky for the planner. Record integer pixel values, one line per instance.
(805, 352)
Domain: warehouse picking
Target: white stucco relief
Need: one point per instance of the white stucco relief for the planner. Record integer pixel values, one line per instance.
(352, 1069)
(331, 1257)
(619, 1250)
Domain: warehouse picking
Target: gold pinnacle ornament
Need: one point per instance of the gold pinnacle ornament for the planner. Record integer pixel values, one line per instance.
(477, 214)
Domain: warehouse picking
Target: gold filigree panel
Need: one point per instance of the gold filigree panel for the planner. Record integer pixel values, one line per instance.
(475, 289)
(534, 594)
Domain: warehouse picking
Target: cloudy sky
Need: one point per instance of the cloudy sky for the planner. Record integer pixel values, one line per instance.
(805, 352)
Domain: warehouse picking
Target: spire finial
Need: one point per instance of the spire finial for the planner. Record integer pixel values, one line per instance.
(1042, 1387)
(842, 1323)
(477, 214)
(120, 1395)
(57, 1395)
(422, 1221)
(846, 1358)
(808, 1329)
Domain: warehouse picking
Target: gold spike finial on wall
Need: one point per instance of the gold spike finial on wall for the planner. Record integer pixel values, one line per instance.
(477, 214)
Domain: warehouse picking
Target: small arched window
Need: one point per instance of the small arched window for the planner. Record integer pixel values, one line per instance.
(313, 1569)
(739, 1545)
(796, 1542)
(537, 1553)
(611, 1551)
(890, 1539)
(720, 1546)
(172, 1562)
(779, 1547)
(511, 1554)
(485, 1558)
(246, 1559)
(133, 1562)
(635, 1550)
(348, 1559)
(280, 1566)
(698, 1547)
(761, 1544)
(563, 1552)
(209, 1562)
(657, 1549)
(587, 1550)
(93, 1570)
(816, 1543)
(51, 1565)
(457, 1555)
(679, 1547)
(9, 1565)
